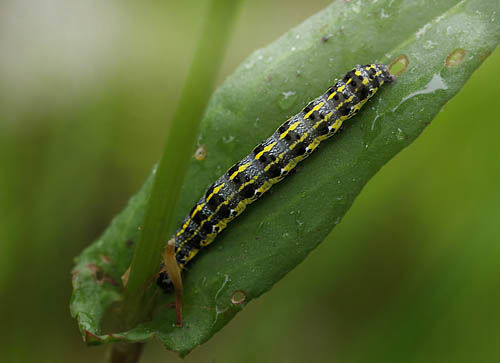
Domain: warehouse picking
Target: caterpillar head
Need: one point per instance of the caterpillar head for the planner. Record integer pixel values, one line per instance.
(164, 282)
(385, 76)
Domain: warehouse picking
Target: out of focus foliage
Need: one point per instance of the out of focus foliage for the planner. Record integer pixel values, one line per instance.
(85, 93)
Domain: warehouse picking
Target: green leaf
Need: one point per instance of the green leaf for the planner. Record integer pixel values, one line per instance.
(169, 176)
(435, 50)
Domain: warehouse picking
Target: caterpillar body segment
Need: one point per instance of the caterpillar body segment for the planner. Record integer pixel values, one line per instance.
(272, 160)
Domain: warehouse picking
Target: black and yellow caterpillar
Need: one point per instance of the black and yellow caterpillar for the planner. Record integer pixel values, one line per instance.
(272, 160)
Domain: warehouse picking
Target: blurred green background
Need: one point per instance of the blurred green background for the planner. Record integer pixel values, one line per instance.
(86, 92)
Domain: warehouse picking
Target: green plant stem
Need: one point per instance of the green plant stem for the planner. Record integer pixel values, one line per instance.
(173, 164)
(138, 301)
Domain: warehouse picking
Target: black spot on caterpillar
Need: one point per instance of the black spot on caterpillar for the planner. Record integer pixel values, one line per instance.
(272, 160)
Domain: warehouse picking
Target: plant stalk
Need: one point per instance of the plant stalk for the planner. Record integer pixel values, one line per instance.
(169, 176)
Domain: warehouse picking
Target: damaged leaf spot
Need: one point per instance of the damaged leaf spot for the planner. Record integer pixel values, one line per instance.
(399, 65)
(238, 297)
(455, 58)
(201, 153)
(100, 276)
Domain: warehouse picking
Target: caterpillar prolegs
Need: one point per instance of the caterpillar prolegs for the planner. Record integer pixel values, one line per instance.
(272, 160)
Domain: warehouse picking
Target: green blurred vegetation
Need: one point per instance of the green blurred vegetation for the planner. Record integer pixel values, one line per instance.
(86, 92)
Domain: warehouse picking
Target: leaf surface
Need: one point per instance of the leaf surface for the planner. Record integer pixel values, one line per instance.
(434, 48)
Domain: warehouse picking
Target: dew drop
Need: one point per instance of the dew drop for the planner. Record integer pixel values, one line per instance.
(372, 131)
(287, 99)
(227, 139)
(218, 309)
(299, 223)
(430, 44)
(437, 83)
(422, 30)
(383, 14)
(400, 135)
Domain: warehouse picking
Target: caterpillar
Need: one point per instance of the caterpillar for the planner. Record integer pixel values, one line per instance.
(272, 160)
